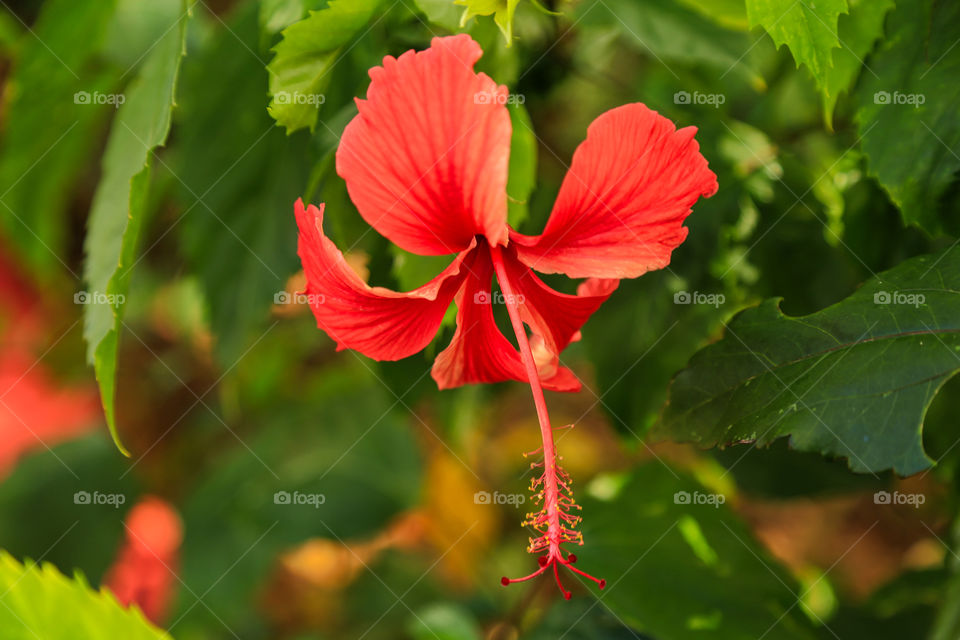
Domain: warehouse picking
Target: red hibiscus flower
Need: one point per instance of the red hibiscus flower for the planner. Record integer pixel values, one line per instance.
(425, 162)
(36, 410)
(144, 572)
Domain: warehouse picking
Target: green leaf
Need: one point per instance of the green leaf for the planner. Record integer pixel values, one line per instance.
(303, 61)
(51, 478)
(444, 621)
(947, 623)
(412, 270)
(119, 204)
(502, 11)
(332, 434)
(904, 607)
(277, 15)
(581, 619)
(523, 165)
(807, 27)
(135, 28)
(238, 232)
(641, 324)
(504, 18)
(729, 13)
(858, 30)
(10, 31)
(679, 564)
(672, 32)
(49, 135)
(908, 111)
(441, 12)
(852, 380)
(40, 602)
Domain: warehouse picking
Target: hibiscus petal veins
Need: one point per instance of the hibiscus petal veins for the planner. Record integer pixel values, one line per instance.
(382, 324)
(622, 204)
(425, 162)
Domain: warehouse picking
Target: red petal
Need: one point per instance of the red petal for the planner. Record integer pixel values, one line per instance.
(621, 206)
(377, 322)
(426, 159)
(479, 353)
(555, 316)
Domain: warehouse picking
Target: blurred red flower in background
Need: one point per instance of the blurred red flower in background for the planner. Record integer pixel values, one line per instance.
(35, 410)
(146, 567)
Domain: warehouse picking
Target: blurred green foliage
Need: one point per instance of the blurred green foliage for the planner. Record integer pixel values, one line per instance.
(833, 128)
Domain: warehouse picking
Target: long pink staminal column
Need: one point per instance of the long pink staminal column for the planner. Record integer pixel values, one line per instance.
(553, 519)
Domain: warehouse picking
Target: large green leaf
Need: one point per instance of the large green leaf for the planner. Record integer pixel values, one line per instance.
(908, 109)
(304, 59)
(40, 602)
(858, 30)
(852, 380)
(679, 564)
(49, 128)
(119, 205)
(807, 27)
